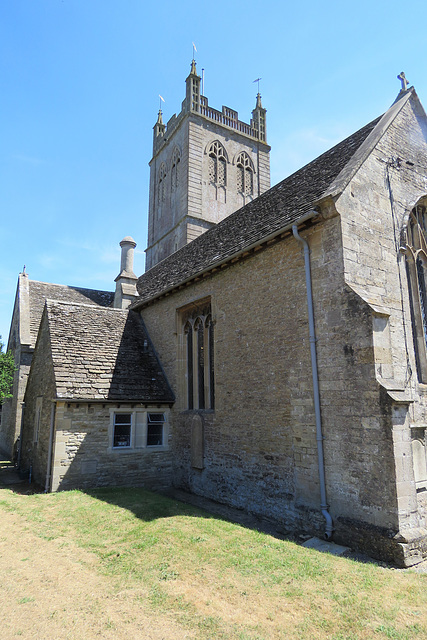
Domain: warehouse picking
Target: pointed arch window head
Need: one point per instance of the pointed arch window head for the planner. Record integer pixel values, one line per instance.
(176, 161)
(198, 333)
(245, 174)
(217, 164)
(416, 270)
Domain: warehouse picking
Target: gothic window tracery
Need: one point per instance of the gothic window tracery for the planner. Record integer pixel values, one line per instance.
(416, 269)
(199, 358)
(217, 164)
(176, 161)
(245, 174)
(162, 182)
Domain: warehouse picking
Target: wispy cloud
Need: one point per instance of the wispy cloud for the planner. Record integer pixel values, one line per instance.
(36, 162)
(50, 260)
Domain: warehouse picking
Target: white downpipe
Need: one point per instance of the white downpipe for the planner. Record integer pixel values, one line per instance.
(49, 454)
(319, 437)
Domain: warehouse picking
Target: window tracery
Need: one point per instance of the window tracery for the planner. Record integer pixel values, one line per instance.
(416, 269)
(245, 174)
(176, 160)
(217, 164)
(162, 182)
(199, 358)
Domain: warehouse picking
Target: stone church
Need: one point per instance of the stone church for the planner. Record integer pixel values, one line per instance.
(272, 357)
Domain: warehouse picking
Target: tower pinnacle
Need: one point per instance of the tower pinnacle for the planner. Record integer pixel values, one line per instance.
(158, 129)
(193, 89)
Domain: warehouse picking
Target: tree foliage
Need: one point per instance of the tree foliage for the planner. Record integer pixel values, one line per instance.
(7, 370)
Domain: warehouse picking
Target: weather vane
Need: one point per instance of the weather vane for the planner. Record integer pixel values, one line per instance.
(257, 80)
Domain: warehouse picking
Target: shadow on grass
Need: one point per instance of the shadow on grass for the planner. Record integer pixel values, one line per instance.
(12, 479)
(148, 505)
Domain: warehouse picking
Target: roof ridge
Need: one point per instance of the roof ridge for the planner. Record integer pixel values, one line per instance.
(69, 286)
(368, 145)
(50, 301)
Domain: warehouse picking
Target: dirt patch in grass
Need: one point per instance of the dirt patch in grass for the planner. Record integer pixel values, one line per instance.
(53, 589)
(132, 564)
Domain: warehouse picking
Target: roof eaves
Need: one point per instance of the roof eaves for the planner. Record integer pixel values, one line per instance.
(115, 401)
(312, 213)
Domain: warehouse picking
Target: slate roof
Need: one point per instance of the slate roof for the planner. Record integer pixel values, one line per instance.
(40, 291)
(103, 354)
(276, 209)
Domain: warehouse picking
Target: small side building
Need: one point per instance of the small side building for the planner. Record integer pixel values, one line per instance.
(97, 402)
(27, 312)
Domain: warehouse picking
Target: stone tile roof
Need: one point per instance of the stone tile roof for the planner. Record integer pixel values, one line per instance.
(40, 291)
(282, 205)
(101, 353)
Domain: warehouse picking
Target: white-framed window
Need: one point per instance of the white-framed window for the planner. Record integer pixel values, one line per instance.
(37, 418)
(137, 429)
(155, 422)
(122, 430)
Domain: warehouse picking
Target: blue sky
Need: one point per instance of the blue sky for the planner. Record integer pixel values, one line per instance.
(80, 81)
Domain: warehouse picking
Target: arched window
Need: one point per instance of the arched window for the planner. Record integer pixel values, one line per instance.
(217, 164)
(199, 359)
(176, 160)
(188, 332)
(416, 269)
(245, 174)
(162, 182)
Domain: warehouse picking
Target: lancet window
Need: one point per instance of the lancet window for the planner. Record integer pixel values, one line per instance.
(416, 267)
(176, 161)
(245, 174)
(199, 358)
(217, 164)
(162, 182)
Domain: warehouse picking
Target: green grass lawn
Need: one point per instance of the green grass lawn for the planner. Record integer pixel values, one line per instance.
(220, 580)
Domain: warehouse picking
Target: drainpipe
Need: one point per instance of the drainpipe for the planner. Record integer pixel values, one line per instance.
(320, 457)
(49, 453)
(21, 430)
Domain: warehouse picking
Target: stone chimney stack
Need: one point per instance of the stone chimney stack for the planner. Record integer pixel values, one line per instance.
(126, 280)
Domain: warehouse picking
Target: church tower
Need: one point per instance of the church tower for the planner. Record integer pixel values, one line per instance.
(205, 165)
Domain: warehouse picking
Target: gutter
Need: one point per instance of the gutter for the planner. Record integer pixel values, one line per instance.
(216, 265)
(314, 369)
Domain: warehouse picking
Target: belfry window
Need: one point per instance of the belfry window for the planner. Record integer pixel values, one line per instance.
(176, 160)
(416, 269)
(245, 174)
(162, 182)
(199, 358)
(217, 164)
